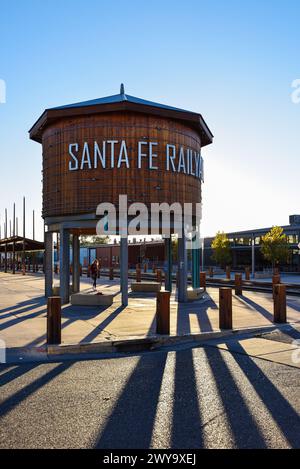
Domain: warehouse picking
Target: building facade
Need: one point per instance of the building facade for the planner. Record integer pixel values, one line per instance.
(246, 247)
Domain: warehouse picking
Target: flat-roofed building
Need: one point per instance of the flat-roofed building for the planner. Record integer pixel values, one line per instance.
(246, 247)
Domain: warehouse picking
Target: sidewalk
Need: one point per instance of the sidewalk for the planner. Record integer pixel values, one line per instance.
(266, 349)
(23, 314)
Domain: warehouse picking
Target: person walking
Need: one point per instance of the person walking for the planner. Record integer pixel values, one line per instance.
(94, 273)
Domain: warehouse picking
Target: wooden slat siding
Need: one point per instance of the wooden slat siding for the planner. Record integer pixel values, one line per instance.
(73, 192)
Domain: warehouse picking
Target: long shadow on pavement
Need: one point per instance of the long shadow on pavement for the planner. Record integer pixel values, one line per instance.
(101, 327)
(260, 309)
(198, 308)
(281, 410)
(131, 422)
(186, 427)
(24, 306)
(15, 399)
(13, 373)
(242, 423)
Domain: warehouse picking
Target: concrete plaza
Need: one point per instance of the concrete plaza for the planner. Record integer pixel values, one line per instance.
(23, 313)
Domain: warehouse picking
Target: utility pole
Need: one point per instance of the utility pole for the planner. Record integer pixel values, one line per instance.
(33, 236)
(5, 235)
(14, 234)
(23, 255)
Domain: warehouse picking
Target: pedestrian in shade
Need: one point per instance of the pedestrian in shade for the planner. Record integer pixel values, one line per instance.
(94, 273)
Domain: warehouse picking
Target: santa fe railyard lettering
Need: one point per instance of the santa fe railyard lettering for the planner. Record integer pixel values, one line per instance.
(116, 154)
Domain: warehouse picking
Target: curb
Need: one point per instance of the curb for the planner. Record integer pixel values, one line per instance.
(134, 344)
(107, 349)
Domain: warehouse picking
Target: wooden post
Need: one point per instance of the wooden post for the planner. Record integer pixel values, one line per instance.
(111, 273)
(54, 320)
(225, 308)
(247, 273)
(211, 272)
(279, 303)
(275, 281)
(238, 284)
(163, 312)
(228, 272)
(203, 279)
(158, 276)
(124, 269)
(138, 275)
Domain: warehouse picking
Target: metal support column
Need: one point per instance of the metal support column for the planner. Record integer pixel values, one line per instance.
(75, 263)
(64, 265)
(5, 258)
(253, 256)
(124, 270)
(48, 263)
(196, 266)
(182, 269)
(169, 266)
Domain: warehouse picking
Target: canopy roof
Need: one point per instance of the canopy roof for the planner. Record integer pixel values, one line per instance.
(120, 102)
(30, 244)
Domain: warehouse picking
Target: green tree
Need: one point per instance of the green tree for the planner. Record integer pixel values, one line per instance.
(93, 240)
(274, 246)
(221, 249)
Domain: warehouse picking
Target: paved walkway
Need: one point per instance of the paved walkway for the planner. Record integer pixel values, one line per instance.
(23, 313)
(259, 347)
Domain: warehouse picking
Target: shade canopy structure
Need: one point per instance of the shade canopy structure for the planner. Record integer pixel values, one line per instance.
(20, 244)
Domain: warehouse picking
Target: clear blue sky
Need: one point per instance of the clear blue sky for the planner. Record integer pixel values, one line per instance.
(233, 61)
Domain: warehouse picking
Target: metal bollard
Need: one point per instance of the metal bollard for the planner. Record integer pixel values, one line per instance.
(153, 268)
(54, 320)
(238, 284)
(203, 280)
(211, 272)
(163, 312)
(228, 272)
(138, 275)
(145, 267)
(279, 303)
(247, 273)
(111, 273)
(225, 308)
